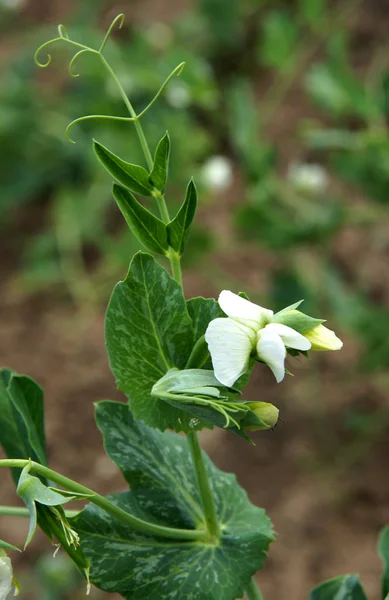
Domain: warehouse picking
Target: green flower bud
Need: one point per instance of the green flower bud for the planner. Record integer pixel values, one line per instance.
(323, 339)
(266, 412)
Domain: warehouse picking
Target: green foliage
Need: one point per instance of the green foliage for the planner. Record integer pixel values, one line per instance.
(148, 332)
(279, 42)
(345, 587)
(21, 418)
(133, 177)
(383, 549)
(159, 469)
(178, 228)
(159, 173)
(149, 230)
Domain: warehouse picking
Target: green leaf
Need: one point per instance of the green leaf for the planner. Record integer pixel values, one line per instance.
(21, 418)
(149, 230)
(202, 311)
(133, 177)
(345, 587)
(6, 546)
(32, 490)
(164, 488)
(383, 550)
(279, 40)
(178, 228)
(158, 175)
(148, 331)
(313, 11)
(296, 320)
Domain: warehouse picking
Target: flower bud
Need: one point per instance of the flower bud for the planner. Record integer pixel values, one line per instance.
(5, 576)
(266, 412)
(323, 338)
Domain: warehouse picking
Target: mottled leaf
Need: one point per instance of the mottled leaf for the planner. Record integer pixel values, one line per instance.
(133, 177)
(148, 332)
(158, 175)
(163, 483)
(178, 228)
(202, 311)
(21, 418)
(345, 587)
(383, 550)
(149, 230)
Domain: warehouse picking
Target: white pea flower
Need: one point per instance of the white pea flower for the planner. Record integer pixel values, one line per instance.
(217, 173)
(308, 177)
(250, 330)
(5, 577)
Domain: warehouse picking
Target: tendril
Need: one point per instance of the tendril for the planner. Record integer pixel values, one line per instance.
(71, 64)
(53, 41)
(177, 71)
(120, 18)
(63, 32)
(89, 117)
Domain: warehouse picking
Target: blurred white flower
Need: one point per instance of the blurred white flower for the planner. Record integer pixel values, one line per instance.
(308, 177)
(159, 35)
(5, 577)
(217, 173)
(247, 330)
(178, 95)
(12, 4)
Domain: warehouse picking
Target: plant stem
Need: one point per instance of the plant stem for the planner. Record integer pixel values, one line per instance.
(205, 490)
(18, 511)
(130, 108)
(252, 591)
(105, 504)
(175, 261)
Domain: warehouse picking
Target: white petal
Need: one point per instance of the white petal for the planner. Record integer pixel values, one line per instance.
(271, 350)
(230, 345)
(290, 337)
(5, 577)
(243, 310)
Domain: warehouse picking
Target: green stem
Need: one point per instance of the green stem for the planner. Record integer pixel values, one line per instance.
(252, 591)
(18, 511)
(105, 504)
(205, 490)
(199, 355)
(130, 108)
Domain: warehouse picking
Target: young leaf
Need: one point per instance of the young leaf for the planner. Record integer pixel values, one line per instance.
(345, 587)
(149, 230)
(177, 229)
(383, 550)
(158, 175)
(21, 418)
(163, 484)
(133, 177)
(148, 331)
(32, 490)
(6, 546)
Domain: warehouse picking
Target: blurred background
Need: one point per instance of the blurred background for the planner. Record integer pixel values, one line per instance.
(281, 114)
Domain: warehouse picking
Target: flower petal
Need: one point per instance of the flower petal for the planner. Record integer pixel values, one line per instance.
(290, 337)
(230, 345)
(323, 338)
(271, 350)
(244, 311)
(5, 577)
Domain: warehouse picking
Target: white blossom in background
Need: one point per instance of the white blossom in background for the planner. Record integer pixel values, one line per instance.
(217, 173)
(307, 177)
(159, 35)
(12, 4)
(178, 95)
(5, 577)
(249, 330)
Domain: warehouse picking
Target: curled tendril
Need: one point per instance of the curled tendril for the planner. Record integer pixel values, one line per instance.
(63, 32)
(119, 19)
(89, 117)
(177, 71)
(71, 64)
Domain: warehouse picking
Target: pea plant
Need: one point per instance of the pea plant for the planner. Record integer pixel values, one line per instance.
(184, 529)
